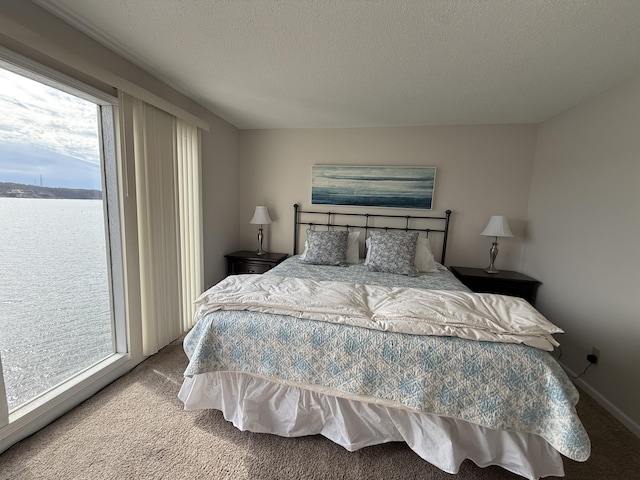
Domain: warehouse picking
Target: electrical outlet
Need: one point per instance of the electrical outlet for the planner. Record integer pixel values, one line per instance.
(596, 351)
(594, 356)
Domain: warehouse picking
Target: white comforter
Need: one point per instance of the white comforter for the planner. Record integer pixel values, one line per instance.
(476, 316)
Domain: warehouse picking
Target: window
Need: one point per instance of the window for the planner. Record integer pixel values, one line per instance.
(61, 301)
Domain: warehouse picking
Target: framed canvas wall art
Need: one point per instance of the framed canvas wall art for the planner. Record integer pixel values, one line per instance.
(373, 186)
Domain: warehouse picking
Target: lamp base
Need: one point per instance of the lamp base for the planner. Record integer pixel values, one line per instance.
(260, 237)
(493, 253)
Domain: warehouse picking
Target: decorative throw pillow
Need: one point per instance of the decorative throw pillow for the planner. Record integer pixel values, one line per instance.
(425, 261)
(326, 247)
(353, 248)
(393, 252)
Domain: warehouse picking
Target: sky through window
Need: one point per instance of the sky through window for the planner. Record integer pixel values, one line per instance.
(47, 136)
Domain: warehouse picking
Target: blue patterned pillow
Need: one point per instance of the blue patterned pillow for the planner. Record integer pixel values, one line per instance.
(393, 252)
(326, 247)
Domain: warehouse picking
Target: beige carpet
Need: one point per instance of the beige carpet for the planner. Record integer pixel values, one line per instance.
(136, 429)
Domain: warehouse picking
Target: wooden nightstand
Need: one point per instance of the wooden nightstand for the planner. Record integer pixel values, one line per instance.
(246, 261)
(505, 282)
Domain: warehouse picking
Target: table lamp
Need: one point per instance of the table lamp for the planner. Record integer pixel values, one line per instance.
(498, 226)
(261, 217)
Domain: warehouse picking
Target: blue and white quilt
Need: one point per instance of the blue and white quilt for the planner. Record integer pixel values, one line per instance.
(501, 386)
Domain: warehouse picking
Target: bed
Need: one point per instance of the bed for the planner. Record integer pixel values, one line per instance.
(365, 338)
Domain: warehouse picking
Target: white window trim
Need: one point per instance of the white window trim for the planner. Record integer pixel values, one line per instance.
(43, 74)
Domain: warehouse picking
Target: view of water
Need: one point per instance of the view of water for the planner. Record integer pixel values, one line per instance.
(54, 294)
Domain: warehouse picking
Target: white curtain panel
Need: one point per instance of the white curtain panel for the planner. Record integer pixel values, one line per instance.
(167, 165)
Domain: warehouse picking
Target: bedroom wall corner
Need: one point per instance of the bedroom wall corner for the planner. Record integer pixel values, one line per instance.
(584, 226)
(220, 197)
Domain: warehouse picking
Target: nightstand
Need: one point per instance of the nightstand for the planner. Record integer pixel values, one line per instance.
(246, 261)
(505, 282)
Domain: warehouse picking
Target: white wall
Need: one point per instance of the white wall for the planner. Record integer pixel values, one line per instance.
(584, 216)
(481, 171)
(220, 197)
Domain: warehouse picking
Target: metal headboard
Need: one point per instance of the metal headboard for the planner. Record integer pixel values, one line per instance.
(365, 221)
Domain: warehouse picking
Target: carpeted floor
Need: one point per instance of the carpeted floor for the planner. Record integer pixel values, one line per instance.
(136, 429)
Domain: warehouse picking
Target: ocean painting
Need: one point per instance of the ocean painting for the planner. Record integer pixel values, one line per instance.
(389, 187)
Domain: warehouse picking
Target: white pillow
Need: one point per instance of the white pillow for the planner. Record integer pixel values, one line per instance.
(353, 248)
(425, 262)
(424, 258)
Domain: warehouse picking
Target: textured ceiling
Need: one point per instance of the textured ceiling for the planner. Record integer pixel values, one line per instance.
(355, 63)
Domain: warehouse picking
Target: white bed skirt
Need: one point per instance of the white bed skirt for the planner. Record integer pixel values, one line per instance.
(259, 405)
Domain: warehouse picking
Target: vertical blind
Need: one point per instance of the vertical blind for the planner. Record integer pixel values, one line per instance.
(167, 178)
(190, 225)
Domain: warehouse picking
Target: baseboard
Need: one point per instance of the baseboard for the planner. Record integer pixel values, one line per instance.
(606, 404)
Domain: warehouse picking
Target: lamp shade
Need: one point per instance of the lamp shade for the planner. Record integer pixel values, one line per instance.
(261, 216)
(498, 226)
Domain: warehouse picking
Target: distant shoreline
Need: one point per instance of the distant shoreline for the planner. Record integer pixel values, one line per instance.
(20, 190)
